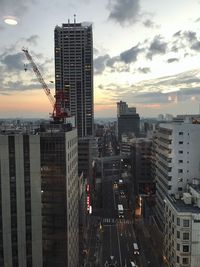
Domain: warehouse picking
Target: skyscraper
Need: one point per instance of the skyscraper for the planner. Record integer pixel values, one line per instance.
(74, 73)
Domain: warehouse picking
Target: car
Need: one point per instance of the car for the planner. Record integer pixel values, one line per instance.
(135, 249)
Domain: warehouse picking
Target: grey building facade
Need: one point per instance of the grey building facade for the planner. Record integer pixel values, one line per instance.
(74, 73)
(20, 203)
(39, 198)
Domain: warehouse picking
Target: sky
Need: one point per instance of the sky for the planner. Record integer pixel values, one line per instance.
(146, 53)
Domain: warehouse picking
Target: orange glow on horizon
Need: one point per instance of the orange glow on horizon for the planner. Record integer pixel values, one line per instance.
(153, 106)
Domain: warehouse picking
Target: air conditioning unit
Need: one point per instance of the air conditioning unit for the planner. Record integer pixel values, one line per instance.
(187, 198)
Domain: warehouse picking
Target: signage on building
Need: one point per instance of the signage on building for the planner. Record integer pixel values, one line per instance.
(87, 188)
(88, 203)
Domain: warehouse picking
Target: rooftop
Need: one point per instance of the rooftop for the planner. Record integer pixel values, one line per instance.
(180, 206)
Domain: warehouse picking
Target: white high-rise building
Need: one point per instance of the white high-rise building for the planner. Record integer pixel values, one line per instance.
(177, 160)
(182, 228)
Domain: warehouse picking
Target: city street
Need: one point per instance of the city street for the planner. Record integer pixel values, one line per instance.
(111, 236)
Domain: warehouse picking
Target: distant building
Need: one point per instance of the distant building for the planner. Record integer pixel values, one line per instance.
(182, 227)
(169, 117)
(142, 166)
(161, 117)
(74, 73)
(128, 120)
(177, 160)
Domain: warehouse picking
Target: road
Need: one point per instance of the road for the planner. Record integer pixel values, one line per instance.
(118, 234)
(110, 238)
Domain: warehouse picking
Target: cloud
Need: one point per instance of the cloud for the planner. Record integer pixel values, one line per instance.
(12, 75)
(148, 23)
(15, 8)
(196, 46)
(171, 60)
(130, 55)
(185, 85)
(100, 64)
(32, 40)
(144, 70)
(124, 11)
(14, 62)
(123, 60)
(186, 41)
(157, 46)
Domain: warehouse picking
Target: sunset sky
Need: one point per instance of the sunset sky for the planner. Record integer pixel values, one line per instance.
(146, 52)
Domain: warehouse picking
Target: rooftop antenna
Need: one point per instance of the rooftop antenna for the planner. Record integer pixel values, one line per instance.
(74, 18)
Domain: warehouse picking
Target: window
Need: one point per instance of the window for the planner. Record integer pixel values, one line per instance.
(180, 161)
(178, 246)
(186, 236)
(180, 133)
(178, 234)
(185, 248)
(186, 223)
(178, 221)
(180, 142)
(180, 189)
(185, 260)
(177, 259)
(180, 170)
(180, 151)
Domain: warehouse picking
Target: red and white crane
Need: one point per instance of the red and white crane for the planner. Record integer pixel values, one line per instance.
(58, 103)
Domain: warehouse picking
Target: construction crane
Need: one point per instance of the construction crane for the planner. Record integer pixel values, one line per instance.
(58, 103)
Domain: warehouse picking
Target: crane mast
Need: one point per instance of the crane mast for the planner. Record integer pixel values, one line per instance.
(59, 113)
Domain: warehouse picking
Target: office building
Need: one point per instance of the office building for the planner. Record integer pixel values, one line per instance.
(142, 166)
(60, 196)
(177, 160)
(20, 209)
(182, 227)
(74, 73)
(128, 121)
(39, 192)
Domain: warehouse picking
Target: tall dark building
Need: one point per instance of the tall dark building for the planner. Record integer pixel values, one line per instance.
(128, 120)
(74, 73)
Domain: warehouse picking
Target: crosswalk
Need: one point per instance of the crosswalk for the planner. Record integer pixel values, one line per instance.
(114, 221)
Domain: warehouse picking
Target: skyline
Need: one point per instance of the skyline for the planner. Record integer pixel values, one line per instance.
(144, 54)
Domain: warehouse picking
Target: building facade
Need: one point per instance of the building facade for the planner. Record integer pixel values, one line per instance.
(177, 160)
(128, 121)
(182, 227)
(20, 203)
(60, 196)
(39, 197)
(74, 73)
